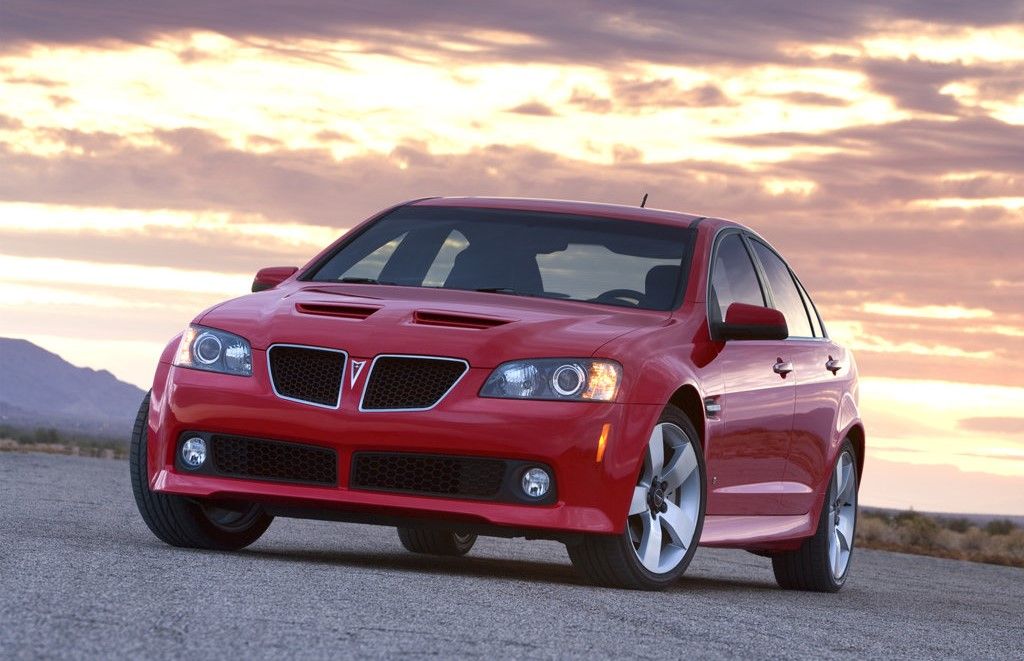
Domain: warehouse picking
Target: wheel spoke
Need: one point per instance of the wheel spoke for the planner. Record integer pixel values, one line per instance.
(845, 531)
(683, 465)
(679, 525)
(650, 543)
(834, 552)
(839, 485)
(656, 450)
(846, 496)
(639, 502)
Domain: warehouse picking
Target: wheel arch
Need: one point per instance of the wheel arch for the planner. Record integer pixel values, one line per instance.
(857, 439)
(689, 401)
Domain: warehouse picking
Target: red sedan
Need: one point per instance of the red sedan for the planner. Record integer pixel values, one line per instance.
(628, 381)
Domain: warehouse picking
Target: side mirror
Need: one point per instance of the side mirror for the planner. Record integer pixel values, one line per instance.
(272, 276)
(751, 322)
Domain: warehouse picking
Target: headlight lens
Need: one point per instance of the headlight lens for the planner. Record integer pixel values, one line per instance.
(575, 379)
(214, 350)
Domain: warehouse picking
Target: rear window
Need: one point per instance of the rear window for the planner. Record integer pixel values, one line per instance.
(580, 258)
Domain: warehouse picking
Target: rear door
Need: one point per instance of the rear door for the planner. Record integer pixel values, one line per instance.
(746, 460)
(817, 368)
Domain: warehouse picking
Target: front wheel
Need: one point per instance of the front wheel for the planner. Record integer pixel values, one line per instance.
(186, 523)
(822, 562)
(664, 519)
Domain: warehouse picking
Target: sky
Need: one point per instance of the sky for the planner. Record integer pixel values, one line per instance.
(154, 155)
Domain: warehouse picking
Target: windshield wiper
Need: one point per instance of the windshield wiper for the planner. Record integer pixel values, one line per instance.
(500, 290)
(364, 281)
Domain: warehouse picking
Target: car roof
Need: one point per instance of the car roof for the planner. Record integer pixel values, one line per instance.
(620, 211)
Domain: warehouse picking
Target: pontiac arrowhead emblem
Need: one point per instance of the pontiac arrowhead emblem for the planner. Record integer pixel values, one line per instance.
(357, 368)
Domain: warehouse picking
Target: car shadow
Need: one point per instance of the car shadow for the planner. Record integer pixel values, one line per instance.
(539, 571)
(532, 570)
(476, 567)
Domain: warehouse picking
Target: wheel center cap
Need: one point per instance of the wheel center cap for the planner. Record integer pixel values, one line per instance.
(656, 496)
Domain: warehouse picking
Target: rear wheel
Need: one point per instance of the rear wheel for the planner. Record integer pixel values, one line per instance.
(436, 542)
(187, 523)
(664, 519)
(822, 562)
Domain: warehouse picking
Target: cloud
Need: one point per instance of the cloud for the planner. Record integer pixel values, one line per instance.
(812, 99)
(533, 108)
(631, 94)
(8, 123)
(601, 31)
(995, 425)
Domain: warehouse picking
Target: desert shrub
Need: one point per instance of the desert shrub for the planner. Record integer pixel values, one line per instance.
(917, 530)
(875, 530)
(958, 524)
(1011, 544)
(974, 540)
(999, 527)
(46, 436)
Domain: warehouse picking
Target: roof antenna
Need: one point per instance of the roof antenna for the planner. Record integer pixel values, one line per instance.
(643, 202)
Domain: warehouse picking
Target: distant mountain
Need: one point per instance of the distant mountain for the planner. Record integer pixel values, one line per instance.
(40, 389)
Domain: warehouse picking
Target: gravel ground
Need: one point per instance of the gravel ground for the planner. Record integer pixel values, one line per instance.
(81, 576)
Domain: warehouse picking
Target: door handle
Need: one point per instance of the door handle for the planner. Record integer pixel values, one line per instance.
(782, 369)
(833, 365)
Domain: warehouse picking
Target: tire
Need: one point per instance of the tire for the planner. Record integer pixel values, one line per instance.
(183, 522)
(615, 560)
(812, 567)
(436, 542)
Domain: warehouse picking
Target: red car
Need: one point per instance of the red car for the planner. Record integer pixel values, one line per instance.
(627, 381)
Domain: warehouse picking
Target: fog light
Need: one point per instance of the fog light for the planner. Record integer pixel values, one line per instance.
(536, 482)
(193, 452)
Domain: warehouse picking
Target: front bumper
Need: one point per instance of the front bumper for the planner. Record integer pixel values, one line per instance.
(591, 496)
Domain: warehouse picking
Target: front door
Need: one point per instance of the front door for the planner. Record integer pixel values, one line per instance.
(746, 457)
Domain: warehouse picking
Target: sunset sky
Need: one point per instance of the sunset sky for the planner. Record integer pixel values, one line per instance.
(154, 155)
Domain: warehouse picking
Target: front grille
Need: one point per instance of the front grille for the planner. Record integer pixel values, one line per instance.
(236, 456)
(463, 477)
(307, 374)
(410, 382)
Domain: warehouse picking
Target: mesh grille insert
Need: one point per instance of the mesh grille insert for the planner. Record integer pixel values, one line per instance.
(274, 460)
(427, 474)
(400, 382)
(307, 374)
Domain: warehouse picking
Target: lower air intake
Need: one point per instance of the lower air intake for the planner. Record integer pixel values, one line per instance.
(460, 477)
(278, 461)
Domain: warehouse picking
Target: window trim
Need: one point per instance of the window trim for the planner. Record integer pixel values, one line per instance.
(720, 236)
(752, 237)
(747, 236)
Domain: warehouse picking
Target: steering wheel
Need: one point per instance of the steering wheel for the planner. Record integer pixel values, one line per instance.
(617, 295)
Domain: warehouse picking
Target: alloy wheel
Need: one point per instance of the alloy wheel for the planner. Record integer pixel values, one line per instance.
(842, 515)
(666, 501)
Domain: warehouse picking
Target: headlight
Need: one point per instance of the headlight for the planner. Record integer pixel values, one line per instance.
(214, 350)
(576, 379)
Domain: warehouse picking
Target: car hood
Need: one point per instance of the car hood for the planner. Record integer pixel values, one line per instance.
(485, 329)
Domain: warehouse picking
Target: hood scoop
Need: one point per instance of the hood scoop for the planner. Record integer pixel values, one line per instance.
(339, 310)
(456, 320)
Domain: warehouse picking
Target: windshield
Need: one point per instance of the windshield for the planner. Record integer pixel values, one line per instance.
(524, 253)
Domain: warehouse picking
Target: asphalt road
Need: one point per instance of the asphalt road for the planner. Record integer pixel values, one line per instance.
(81, 576)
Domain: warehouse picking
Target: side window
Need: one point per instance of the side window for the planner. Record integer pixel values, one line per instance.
(733, 279)
(812, 311)
(787, 297)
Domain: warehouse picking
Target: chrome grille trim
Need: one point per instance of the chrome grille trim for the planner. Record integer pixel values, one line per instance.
(341, 376)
